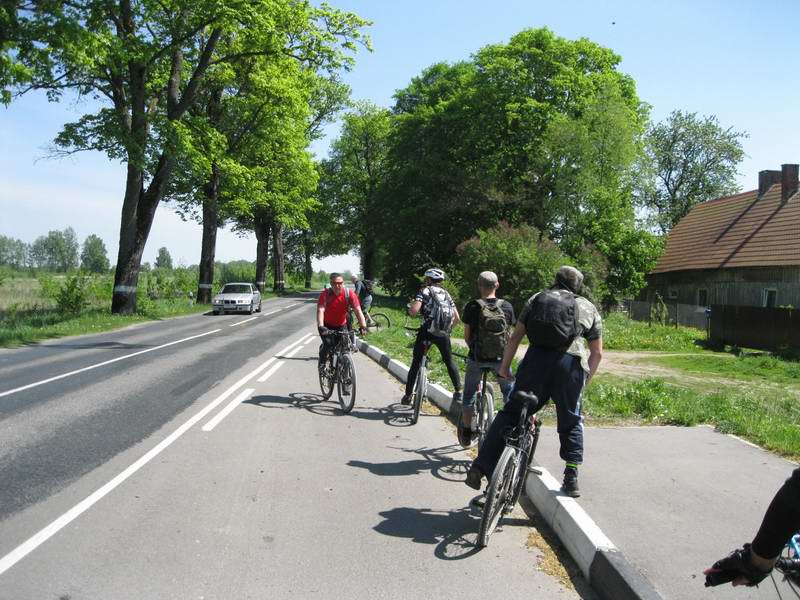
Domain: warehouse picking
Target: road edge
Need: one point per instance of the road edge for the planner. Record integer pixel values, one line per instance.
(604, 566)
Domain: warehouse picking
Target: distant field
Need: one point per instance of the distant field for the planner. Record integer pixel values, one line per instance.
(23, 291)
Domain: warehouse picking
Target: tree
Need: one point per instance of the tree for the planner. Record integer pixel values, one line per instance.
(94, 257)
(690, 159)
(57, 251)
(149, 60)
(163, 260)
(13, 253)
(352, 177)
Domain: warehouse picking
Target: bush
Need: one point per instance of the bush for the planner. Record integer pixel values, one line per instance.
(71, 295)
(523, 258)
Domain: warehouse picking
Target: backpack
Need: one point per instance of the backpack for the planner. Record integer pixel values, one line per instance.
(553, 320)
(368, 287)
(491, 335)
(442, 312)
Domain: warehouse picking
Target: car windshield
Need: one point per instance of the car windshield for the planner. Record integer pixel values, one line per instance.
(236, 289)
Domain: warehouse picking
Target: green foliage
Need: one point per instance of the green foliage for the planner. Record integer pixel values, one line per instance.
(764, 368)
(94, 257)
(71, 295)
(240, 270)
(525, 261)
(622, 333)
(690, 159)
(13, 253)
(163, 260)
(57, 251)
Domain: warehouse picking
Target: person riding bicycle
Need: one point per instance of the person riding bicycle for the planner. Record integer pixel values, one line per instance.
(750, 564)
(557, 365)
(439, 314)
(487, 322)
(363, 291)
(333, 308)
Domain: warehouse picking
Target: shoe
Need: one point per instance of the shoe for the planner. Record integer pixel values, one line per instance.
(464, 435)
(478, 501)
(570, 485)
(406, 399)
(474, 477)
(345, 390)
(457, 397)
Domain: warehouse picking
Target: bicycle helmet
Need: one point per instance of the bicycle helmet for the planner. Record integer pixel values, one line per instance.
(435, 273)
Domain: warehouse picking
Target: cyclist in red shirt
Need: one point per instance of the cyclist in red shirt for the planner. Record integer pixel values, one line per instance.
(332, 313)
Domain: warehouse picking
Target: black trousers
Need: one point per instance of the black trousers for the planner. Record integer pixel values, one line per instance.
(329, 342)
(443, 344)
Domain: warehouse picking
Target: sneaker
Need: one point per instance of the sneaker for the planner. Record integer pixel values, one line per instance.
(464, 435)
(478, 501)
(570, 485)
(457, 397)
(406, 399)
(474, 477)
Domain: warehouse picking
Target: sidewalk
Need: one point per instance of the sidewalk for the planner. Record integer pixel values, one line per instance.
(674, 499)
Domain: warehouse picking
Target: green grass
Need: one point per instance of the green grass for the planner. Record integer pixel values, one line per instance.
(769, 419)
(28, 326)
(623, 333)
(763, 368)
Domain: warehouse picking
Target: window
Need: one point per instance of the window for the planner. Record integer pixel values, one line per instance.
(672, 294)
(770, 298)
(702, 297)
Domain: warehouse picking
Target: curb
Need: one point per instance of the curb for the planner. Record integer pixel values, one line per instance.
(604, 566)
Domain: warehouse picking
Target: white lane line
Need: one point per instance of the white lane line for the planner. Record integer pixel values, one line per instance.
(228, 409)
(245, 321)
(293, 352)
(272, 312)
(104, 363)
(36, 540)
(271, 372)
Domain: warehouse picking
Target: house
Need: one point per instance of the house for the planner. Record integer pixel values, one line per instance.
(739, 250)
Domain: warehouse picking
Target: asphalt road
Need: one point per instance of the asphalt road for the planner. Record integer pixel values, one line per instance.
(211, 468)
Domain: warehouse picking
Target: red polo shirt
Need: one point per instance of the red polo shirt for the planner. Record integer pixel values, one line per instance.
(336, 306)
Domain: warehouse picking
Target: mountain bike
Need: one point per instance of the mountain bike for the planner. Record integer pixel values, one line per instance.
(421, 383)
(339, 370)
(508, 479)
(377, 320)
(484, 404)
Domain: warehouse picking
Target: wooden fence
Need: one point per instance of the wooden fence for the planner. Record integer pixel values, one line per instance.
(756, 327)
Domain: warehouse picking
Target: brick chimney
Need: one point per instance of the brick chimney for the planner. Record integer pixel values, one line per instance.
(766, 179)
(789, 175)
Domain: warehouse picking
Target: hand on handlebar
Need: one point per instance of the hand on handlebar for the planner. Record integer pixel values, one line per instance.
(362, 331)
(323, 331)
(505, 373)
(736, 568)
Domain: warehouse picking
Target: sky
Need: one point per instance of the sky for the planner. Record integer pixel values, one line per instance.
(729, 58)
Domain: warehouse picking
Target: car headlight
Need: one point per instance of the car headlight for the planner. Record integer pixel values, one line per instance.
(217, 301)
(240, 302)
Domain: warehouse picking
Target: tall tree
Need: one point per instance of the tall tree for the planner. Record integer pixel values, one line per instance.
(163, 260)
(149, 59)
(13, 253)
(352, 177)
(690, 159)
(57, 251)
(94, 256)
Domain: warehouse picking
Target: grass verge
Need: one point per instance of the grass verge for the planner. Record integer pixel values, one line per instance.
(763, 369)
(622, 333)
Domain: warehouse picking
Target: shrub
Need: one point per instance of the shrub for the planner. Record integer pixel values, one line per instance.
(71, 295)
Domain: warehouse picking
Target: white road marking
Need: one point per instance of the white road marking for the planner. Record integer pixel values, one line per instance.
(271, 372)
(293, 352)
(245, 321)
(102, 364)
(228, 409)
(36, 540)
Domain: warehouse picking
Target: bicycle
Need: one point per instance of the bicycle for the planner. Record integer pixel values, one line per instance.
(377, 320)
(339, 370)
(421, 383)
(484, 404)
(508, 479)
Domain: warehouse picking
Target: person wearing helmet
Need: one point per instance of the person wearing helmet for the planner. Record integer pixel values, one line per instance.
(439, 314)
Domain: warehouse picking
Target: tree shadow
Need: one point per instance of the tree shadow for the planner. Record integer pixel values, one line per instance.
(99, 346)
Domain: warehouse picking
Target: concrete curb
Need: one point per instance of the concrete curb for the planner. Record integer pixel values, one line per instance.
(604, 566)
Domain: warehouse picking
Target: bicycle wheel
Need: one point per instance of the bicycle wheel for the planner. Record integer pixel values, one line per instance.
(327, 378)
(497, 495)
(485, 412)
(521, 470)
(346, 383)
(419, 393)
(380, 321)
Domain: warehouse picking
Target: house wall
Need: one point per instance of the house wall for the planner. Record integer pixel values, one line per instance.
(735, 287)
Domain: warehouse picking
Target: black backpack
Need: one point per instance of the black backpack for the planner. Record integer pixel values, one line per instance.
(491, 335)
(368, 287)
(553, 320)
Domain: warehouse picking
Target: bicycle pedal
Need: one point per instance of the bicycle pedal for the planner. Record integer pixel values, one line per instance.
(535, 470)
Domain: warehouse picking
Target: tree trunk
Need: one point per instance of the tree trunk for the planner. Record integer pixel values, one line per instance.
(138, 212)
(307, 255)
(209, 244)
(262, 231)
(277, 257)
(368, 258)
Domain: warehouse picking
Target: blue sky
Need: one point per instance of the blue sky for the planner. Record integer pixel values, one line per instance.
(733, 59)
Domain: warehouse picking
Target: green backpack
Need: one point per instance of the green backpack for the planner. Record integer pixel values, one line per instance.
(492, 334)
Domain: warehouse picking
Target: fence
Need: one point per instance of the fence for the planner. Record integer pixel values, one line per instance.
(675, 314)
(756, 327)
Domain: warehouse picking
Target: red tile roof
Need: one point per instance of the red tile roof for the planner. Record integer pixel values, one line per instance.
(736, 231)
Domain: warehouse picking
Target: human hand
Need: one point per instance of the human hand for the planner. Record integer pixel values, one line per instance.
(736, 568)
(505, 373)
(323, 331)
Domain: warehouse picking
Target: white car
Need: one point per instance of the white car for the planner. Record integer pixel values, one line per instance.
(237, 297)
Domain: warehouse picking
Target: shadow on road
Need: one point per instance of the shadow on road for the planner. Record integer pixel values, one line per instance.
(98, 346)
(437, 461)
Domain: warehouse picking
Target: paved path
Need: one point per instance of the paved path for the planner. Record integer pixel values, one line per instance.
(674, 499)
